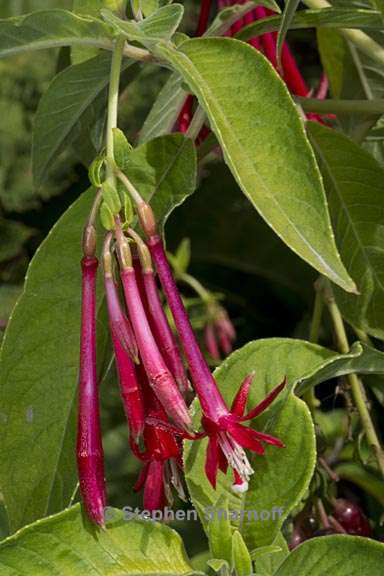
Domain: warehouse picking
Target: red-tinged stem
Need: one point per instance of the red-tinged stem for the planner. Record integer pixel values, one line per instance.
(205, 8)
(206, 388)
(90, 457)
(268, 40)
(160, 378)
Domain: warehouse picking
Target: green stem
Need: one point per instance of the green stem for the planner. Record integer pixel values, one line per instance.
(361, 40)
(196, 124)
(113, 102)
(196, 286)
(356, 385)
(310, 396)
(333, 106)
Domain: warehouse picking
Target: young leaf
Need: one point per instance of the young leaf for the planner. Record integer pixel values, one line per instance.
(69, 544)
(71, 106)
(286, 19)
(264, 144)
(165, 110)
(335, 555)
(324, 18)
(229, 15)
(50, 29)
(268, 562)
(220, 532)
(241, 560)
(354, 182)
(121, 148)
(160, 25)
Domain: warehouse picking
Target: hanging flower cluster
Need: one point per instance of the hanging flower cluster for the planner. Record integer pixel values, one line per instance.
(154, 384)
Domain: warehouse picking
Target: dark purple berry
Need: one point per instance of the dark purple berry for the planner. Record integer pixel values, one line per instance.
(296, 538)
(351, 517)
(324, 532)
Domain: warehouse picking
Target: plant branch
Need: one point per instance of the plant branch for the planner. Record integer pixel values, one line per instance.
(356, 385)
(333, 106)
(113, 101)
(361, 40)
(318, 307)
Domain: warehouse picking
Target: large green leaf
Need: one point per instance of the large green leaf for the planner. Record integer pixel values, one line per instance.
(336, 556)
(160, 25)
(269, 562)
(71, 107)
(50, 29)
(68, 544)
(354, 181)
(304, 364)
(38, 377)
(324, 18)
(263, 142)
(39, 362)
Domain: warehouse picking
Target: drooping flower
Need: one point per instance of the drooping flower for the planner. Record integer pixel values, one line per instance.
(219, 332)
(159, 376)
(89, 450)
(125, 349)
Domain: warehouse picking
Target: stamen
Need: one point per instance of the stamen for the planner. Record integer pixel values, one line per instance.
(235, 455)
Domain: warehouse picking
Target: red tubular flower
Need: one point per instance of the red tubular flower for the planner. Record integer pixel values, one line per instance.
(162, 457)
(227, 436)
(90, 457)
(219, 332)
(159, 376)
(123, 339)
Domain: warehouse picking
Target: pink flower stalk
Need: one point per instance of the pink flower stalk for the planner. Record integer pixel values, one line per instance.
(227, 436)
(123, 339)
(89, 451)
(162, 457)
(205, 8)
(159, 376)
(158, 320)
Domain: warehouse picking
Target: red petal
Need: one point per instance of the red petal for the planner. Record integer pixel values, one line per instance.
(246, 438)
(142, 478)
(212, 460)
(264, 403)
(168, 427)
(240, 401)
(268, 439)
(154, 486)
(223, 462)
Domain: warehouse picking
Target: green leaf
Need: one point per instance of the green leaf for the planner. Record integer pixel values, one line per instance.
(241, 560)
(164, 171)
(267, 150)
(121, 148)
(335, 555)
(51, 29)
(39, 362)
(269, 561)
(91, 8)
(229, 15)
(323, 18)
(219, 531)
(368, 481)
(160, 25)
(165, 110)
(354, 182)
(68, 544)
(72, 106)
(38, 377)
(286, 19)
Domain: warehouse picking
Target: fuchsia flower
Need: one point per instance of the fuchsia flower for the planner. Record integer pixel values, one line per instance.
(89, 451)
(227, 436)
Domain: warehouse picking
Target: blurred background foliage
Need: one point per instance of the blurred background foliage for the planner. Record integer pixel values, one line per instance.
(267, 290)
